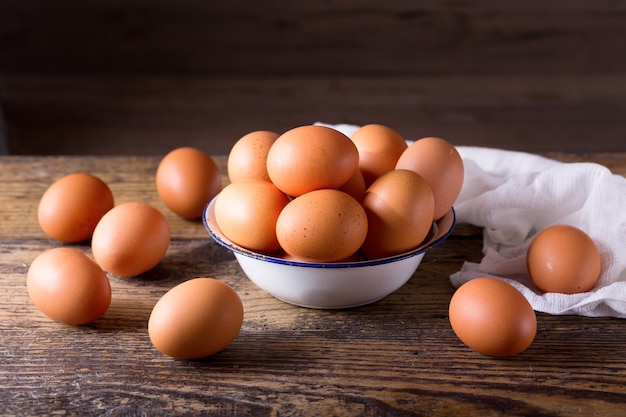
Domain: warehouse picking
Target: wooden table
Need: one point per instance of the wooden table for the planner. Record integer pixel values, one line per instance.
(396, 357)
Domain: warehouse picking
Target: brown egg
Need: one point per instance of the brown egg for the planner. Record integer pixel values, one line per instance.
(246, 213)
(563, 259)
(68, 286)
(186, 180)
(440, 164)
(247, 160)
(355, 186)
(322, 226)
(309, 158)
(72, 206)
(492, 317)
(379, 149)
(399, 207)
(195, 319)
(130, 239)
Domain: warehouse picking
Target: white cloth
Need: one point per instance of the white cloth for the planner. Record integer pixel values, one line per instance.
(513, 195)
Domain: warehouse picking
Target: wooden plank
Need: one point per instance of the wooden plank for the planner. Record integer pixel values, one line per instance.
(4, 139)
(150, 115)
(331, 37)
(398, 356)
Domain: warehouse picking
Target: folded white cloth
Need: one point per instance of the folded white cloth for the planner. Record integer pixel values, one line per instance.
(513, 195)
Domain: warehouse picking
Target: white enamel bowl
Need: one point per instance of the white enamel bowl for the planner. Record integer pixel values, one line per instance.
(330, 285)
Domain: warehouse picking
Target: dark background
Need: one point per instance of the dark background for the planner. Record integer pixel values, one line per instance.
(145, 76)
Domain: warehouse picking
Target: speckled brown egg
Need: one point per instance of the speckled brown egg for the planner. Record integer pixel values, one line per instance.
(247, 159)
(71, 207)
(186, 180)
(130, 239)
(322, 226)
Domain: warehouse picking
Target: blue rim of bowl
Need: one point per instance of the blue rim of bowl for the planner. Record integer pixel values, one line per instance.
(434, 238)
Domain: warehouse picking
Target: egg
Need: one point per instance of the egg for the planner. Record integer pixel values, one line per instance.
(71, 207)
(399, 207)
(130, 239)
(196, 318)
(322, 226)
(492, 317)
(439, 162)
(355, 186)
(308, 158)
(246, 213)
(563, 259)
(186, 180)
(379, 148)
(68, 286)
(247, 159)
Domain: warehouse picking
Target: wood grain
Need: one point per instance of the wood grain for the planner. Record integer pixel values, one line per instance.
(133, 79)
(150, 115)
(4, 140)
(331, 37)
(397, 357)
(140, 77)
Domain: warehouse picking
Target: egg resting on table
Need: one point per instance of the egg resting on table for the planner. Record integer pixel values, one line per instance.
(492, 317)
(196, 318)
(71, 207)
(130, 239)
(186, 180)
(68, 286)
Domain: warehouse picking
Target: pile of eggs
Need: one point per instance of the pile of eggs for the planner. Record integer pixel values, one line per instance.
(369, 195)
(196, 318)
(313, 194)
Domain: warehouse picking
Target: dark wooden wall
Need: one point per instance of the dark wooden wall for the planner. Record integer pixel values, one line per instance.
(143, 76)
